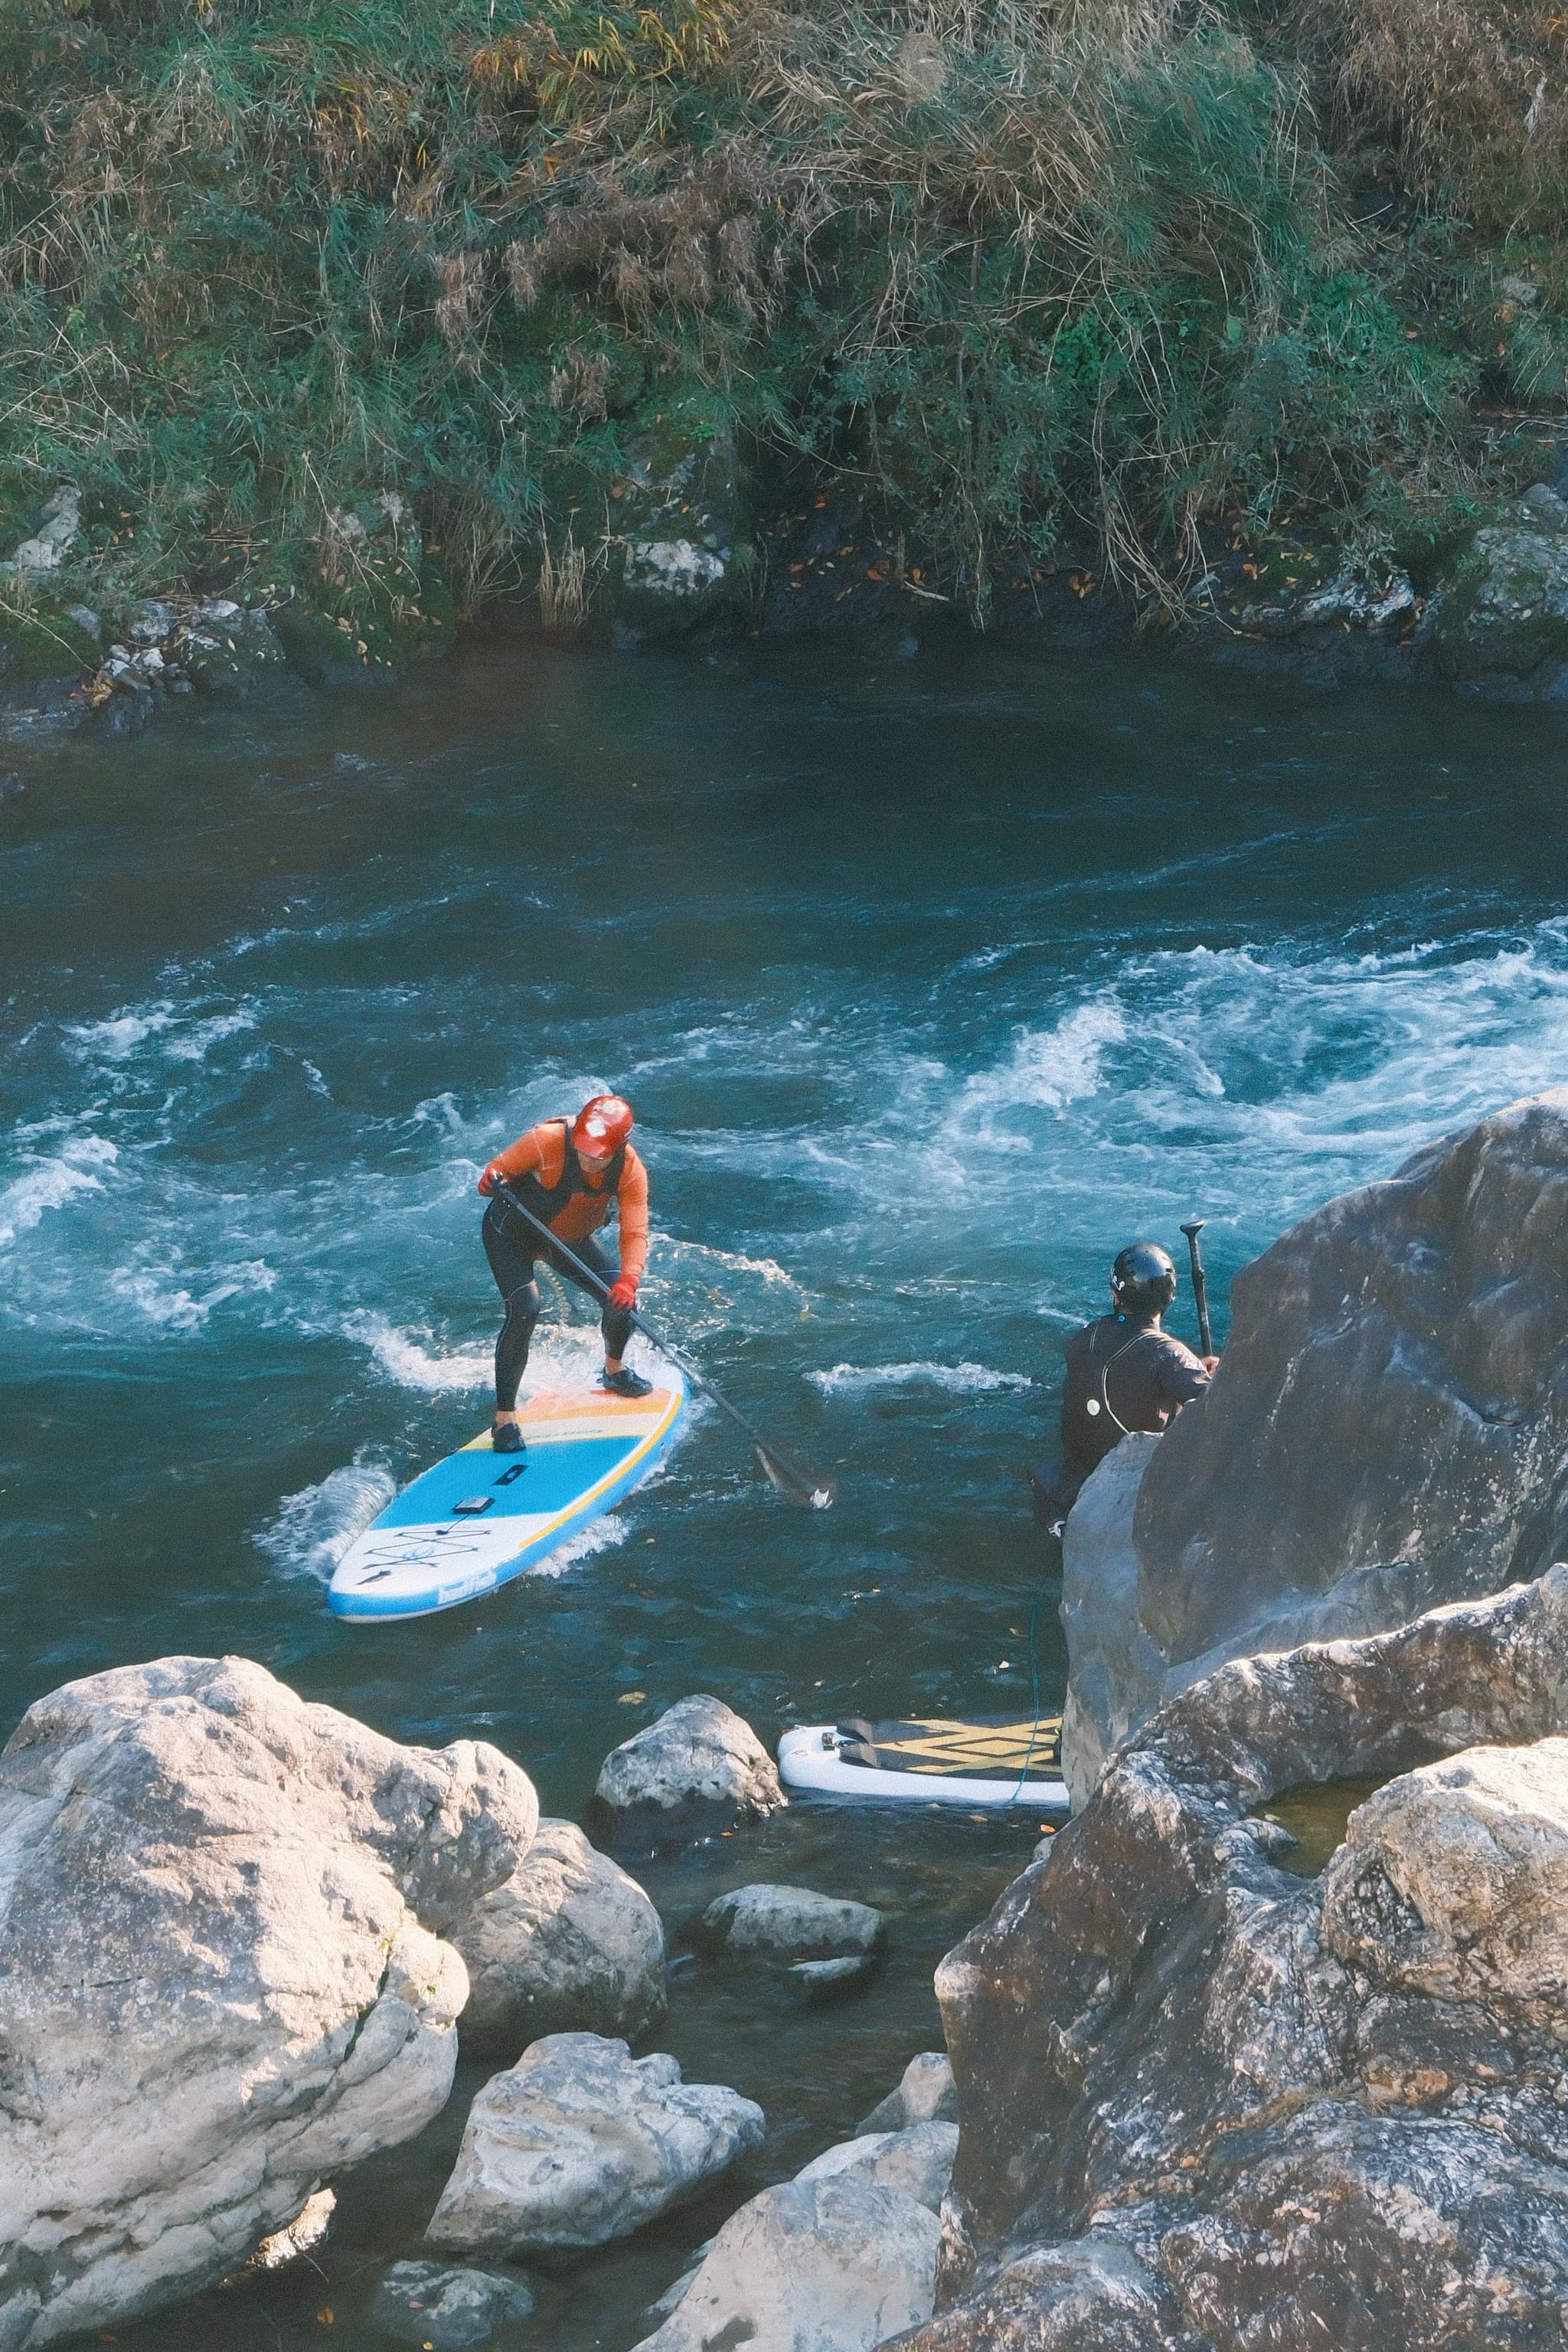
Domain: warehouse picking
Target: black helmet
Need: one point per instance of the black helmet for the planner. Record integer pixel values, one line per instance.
(1144, 1279)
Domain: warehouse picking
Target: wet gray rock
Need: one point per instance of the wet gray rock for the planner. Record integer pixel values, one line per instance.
(221, 1973)
(447, 2310)
(1387, 1431)
(788, 1923)
(682, 553)
(226, 649)
(823, 1980)
(1208, 2104)
(1505, 613)
(700, 1769)
(923, 2095)
(568, 1944)
(1379, 600)
(838, 2263)
(580, 2143)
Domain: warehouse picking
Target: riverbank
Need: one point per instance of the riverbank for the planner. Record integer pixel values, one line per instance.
(369, 325)
(1489, 630)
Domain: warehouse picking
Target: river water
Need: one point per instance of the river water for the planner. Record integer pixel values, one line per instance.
(930, 986)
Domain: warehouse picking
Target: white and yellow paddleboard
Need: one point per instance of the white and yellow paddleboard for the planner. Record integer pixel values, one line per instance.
(931, 1761)
(478, 1519)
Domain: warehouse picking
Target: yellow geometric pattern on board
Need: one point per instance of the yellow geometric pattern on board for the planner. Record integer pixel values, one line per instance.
(977, 1751)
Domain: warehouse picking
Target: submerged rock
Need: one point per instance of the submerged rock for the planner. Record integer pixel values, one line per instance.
(580, 2143)
(788, 1923)
(1388, 1430)
(446, 2310)
(698, 1769)
(222, 1978)
(1207, 2103)
(568, 1944)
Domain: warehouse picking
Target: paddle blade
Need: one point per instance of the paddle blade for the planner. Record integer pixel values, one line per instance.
(802, 1487)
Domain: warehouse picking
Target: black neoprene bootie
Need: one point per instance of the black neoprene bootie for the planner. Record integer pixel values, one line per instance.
(626, 1383)
(507, 1438)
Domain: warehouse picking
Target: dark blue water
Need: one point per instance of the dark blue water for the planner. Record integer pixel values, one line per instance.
(930, 988)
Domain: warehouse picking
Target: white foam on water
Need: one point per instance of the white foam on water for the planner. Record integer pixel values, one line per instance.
(158, 1293)
(194, 1043)
(184, 1033)
(1044, 1069)
(562, 1357)
(112, 1040)
(602, 1535)
(49, 1181)
(411, 1362)
(313, 1529)
(962, 1380)
(768, 1269)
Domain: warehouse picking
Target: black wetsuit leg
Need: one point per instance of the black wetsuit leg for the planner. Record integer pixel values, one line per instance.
(506, 1241)
(615, 1322)
(513, 1252)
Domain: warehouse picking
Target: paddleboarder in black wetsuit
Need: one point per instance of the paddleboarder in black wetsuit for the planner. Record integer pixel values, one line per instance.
(1124, 1372)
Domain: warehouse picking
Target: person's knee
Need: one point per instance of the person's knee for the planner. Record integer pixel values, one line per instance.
(522, 1303)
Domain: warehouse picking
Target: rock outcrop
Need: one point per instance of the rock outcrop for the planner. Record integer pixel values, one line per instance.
(698, 1769)
(580, 2143)
(568, 1944)
(221, 1972)
(837, 2260)
(57, 529)
(1211, 2105)
(1387, 1431)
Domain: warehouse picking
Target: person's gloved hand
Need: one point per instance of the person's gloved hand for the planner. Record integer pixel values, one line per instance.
(493, 1175)
(623, 1291)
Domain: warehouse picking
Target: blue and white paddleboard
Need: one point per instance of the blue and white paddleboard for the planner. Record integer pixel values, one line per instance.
(478, 1519)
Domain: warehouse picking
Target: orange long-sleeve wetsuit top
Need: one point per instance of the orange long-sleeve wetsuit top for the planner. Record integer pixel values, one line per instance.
(541, 1152)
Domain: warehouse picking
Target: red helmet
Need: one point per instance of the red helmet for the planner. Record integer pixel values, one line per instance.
(602, 1127)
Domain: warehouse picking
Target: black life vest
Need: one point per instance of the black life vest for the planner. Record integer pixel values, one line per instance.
(547, 1200)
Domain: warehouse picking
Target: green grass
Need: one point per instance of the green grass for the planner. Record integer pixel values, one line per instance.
(1019, 274)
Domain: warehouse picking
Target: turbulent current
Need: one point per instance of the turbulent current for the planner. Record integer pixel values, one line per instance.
(930, 988)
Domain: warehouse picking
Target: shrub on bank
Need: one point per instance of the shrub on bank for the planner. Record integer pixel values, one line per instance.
(1017, 270)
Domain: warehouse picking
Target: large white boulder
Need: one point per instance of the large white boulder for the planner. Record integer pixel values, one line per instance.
(580, 2143)
(699, 1767)
(919, 2161)
(568, 1944)
(222, 1976)
(828, 2262)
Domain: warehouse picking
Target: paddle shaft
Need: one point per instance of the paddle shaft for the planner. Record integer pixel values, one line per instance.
(1200, 1287)
(801, 1485)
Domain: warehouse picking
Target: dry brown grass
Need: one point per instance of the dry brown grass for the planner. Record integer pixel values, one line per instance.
(1471, 95)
